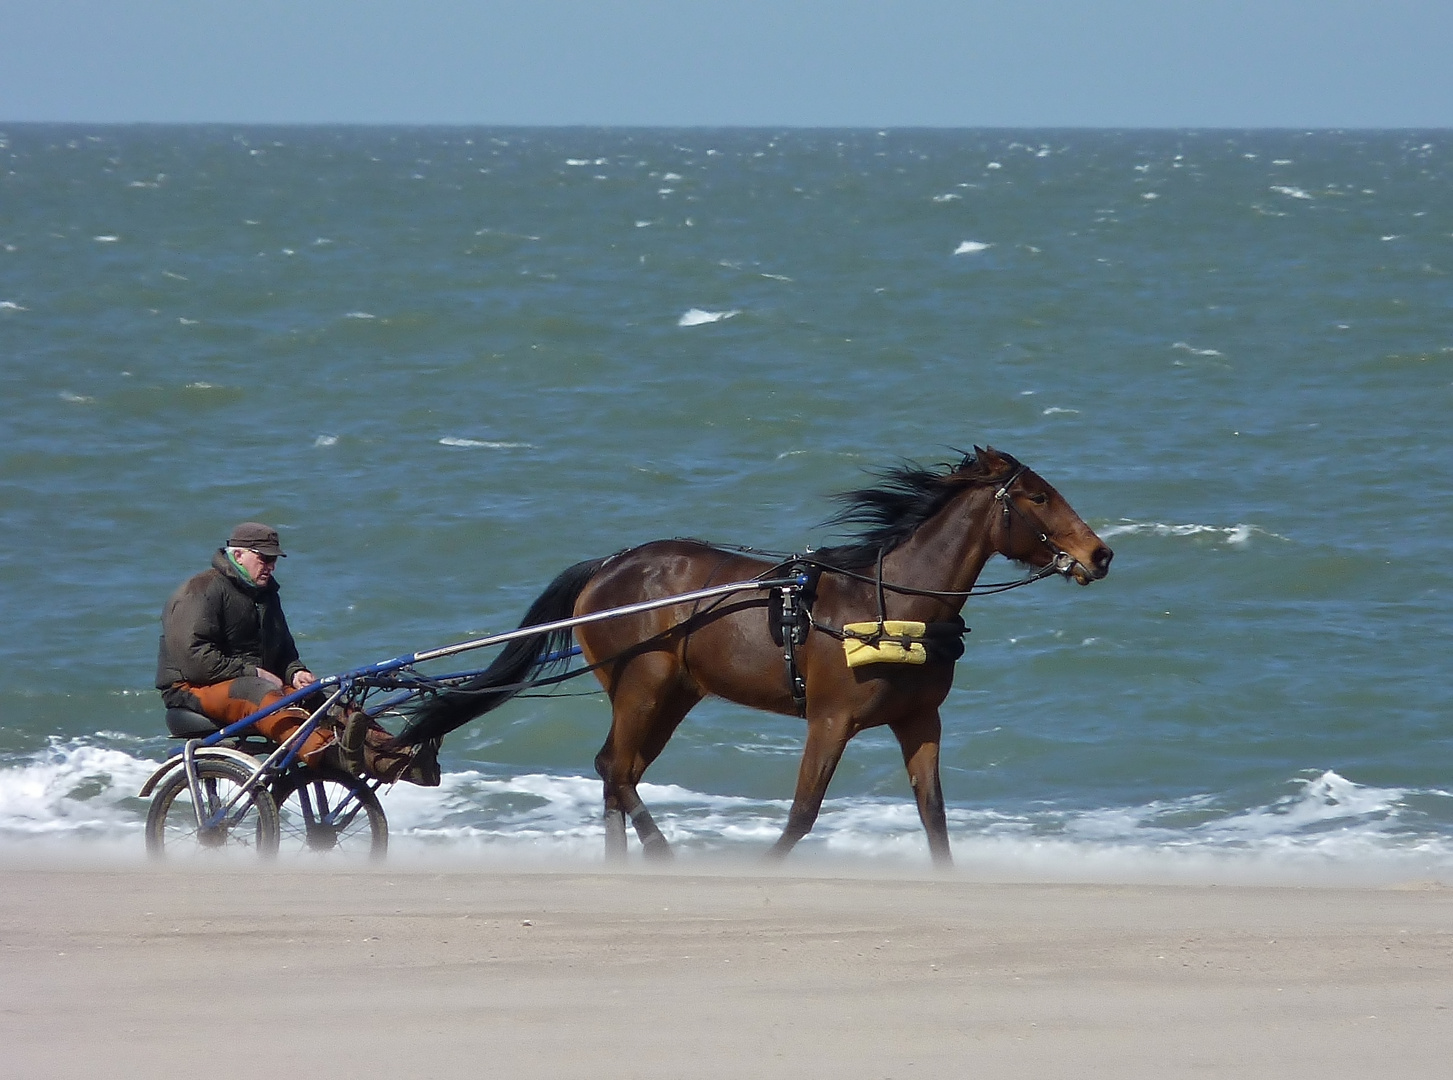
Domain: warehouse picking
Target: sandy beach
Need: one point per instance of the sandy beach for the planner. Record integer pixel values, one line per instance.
(140, 971)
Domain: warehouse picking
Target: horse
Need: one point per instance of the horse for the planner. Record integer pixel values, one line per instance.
(923, 536)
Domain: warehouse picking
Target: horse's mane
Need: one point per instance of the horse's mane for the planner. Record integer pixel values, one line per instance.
(893, 509)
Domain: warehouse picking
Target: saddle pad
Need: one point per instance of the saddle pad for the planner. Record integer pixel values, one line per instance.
(893, 641)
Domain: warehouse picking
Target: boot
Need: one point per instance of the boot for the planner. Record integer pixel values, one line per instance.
(423, 766)
(384, 764)
(353, 740)
(331, 757)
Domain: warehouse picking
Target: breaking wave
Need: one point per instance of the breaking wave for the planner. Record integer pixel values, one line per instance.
(80, 797)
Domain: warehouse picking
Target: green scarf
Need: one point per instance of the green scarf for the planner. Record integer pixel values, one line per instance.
(240, 568)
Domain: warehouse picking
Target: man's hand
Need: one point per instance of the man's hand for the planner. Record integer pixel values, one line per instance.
(304, 678)
(268, 676)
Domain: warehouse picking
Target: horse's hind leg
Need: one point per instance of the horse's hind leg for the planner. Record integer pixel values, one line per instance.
(919, 739)
(615, 826)
(640, 728)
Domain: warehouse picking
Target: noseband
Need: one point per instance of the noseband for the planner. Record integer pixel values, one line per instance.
(1063, 562)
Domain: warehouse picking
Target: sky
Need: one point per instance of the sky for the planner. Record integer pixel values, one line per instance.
(769, 63)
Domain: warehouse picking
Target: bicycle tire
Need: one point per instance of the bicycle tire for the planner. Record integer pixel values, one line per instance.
(171, 823)
(329, 811)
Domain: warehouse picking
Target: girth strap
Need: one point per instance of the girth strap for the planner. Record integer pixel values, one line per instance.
(789, 618)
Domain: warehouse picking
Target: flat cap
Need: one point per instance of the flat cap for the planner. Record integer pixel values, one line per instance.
(255, 536)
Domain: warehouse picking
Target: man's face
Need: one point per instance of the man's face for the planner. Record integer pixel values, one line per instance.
(258, 567)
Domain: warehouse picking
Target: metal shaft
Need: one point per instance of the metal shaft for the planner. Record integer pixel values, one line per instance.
(598, 616)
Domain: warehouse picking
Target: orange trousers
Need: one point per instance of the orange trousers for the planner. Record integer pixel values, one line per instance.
(236, 699)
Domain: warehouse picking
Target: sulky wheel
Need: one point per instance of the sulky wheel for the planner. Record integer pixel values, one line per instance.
(172, 827)
(330, 811)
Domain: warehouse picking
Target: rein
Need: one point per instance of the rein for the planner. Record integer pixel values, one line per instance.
(1062, 563)
(794, 615)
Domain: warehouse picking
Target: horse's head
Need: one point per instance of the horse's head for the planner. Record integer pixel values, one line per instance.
(1036, 525)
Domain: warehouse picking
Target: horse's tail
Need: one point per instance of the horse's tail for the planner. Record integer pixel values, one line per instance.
(510, 672)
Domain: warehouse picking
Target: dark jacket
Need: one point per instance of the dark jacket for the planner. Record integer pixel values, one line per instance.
(218, 626)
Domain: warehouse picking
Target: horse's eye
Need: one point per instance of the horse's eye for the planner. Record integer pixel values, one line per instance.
(1039, 498)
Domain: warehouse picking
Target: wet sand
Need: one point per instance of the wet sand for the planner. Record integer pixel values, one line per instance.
(137, 971)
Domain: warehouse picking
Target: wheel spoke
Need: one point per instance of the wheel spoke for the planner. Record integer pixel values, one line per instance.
(333, 814)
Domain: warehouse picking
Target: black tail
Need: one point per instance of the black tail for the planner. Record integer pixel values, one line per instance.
(437, 716)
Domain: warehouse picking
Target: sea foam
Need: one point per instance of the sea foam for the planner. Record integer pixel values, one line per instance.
(485, 444)
(1230, 534)
(698, 317)
(80, 797)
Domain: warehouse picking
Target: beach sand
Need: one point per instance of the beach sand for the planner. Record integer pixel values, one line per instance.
(135, 971)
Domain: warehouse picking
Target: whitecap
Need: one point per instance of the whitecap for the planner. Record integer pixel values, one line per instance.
(950, 197)
(187, 322)
(359, 315)
(454, 440)
(971, 247)
(775, 277)
(200, 386)
(75, 399)
(174, 277)
(106, 239)
(1055, 410)
(1150, 195)
(644, 224)
(1290, 192)
(1194, 351)
(1230, 534)
(698, 317)
(326, 440)
(993, 165)
(11, 305)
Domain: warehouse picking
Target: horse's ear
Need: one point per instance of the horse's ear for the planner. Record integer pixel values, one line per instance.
(989, 457)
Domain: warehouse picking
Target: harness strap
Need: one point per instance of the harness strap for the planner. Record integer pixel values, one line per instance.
(789, 618)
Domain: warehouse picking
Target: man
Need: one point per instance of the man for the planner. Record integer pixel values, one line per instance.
(226, 652)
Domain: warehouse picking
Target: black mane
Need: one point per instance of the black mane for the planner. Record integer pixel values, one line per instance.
(892, 510)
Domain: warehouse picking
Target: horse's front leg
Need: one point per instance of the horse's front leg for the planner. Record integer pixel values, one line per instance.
(919, 738)
(826, 739)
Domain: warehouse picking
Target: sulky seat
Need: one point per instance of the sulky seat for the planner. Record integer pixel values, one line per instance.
(186, 724)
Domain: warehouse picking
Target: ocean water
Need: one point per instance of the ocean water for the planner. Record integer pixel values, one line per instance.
(448, 363)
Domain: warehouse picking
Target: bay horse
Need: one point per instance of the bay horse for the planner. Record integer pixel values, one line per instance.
(924, 536)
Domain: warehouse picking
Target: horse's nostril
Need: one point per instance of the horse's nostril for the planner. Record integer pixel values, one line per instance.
(1102, 558)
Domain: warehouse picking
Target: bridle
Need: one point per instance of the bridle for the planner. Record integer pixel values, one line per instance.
(1063, 562)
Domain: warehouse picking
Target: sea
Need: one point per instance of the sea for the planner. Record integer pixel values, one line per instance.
(449, 362)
